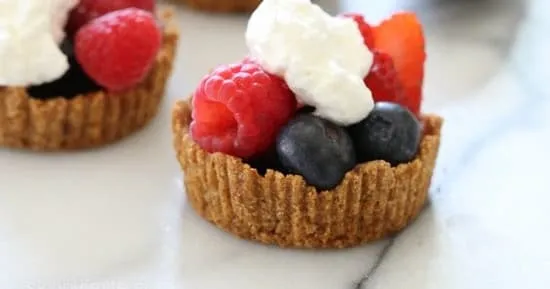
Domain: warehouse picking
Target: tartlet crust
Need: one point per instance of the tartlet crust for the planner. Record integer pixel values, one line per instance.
(88, 120)
(373, 201)
(223, 6)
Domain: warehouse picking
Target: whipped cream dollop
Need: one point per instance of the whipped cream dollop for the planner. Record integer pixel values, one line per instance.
(59, 14)
(30, 33)
(322, 58)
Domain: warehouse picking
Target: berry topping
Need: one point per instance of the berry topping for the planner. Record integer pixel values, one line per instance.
(383, 80)
(118, 49)
(88, 10)
(266, 161)
(74, 82)
(239, 110)
(402, 38)
(317, 149)
(390, 132)
(249, 60)
(364, 28)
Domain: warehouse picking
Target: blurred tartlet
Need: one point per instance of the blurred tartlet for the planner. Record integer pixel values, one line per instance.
(224, 6)
(98, 100)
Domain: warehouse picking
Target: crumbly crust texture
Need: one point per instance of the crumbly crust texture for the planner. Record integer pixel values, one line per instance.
(227, 6)
(373, 201)
(88, 120)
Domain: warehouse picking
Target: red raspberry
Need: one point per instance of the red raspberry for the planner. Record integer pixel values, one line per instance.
(88, 10)
(118, 49)
(383, 79)
(239, 110)
(249, 59)
(365, 29)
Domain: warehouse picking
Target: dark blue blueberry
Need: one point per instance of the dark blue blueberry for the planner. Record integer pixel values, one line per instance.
(316, 149)
(74, 82)
(306, 109)
(267, 160)
(390, 133)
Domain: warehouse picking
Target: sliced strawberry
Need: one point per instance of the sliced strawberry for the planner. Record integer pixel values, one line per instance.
(383, 80)
(364, 28)
(402, 38)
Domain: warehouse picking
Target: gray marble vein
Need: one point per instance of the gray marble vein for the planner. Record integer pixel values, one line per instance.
(379, 259)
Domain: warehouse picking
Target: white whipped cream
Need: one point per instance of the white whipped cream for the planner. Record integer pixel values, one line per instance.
(59, 13)
(322, 58)
(30, 31)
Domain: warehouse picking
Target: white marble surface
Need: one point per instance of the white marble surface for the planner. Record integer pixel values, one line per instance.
(116, 218)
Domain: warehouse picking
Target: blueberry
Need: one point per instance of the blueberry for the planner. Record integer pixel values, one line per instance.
(267, 160)
(306, 109)
(74, 82)
(317, 149)
(390, 133)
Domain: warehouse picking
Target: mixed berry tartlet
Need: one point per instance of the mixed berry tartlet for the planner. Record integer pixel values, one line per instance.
(316, 139)
(99, 75)
(223, 5)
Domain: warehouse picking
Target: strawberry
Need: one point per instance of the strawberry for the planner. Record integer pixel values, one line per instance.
(383, 80)
(364, 28)
(402, 38)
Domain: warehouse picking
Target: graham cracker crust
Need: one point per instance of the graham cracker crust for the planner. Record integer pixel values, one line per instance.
(373, 201)
(88, 120)
(227, 6)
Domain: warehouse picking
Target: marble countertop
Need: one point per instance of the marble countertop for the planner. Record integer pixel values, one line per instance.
(116, 218)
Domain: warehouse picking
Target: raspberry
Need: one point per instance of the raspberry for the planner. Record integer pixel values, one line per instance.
(402, 38)
(364, 28)
(383, 80)
(249, 59)
(118, 49)
(88, 10)
(239, 110)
